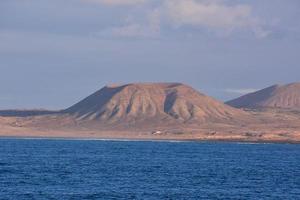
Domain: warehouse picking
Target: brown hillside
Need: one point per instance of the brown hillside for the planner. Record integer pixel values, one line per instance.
(285, 96)
(153, 102)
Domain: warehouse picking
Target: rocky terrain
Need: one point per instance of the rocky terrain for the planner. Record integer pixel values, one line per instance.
(163, 111)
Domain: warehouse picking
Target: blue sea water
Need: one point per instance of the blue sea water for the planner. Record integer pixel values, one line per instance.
(83, 169)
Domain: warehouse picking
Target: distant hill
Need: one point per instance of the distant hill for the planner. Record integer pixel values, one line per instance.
(276, 96)
(25, 113)
(153, 103)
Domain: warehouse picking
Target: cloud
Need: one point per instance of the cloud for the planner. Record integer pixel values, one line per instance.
(212, 14)
(117, 2)
(241, 91)
(130, 30)
(216, 15)
(150, 28)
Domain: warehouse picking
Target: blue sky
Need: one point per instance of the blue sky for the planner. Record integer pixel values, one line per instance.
(55, 52)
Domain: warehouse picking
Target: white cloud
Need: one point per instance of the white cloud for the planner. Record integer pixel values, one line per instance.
(241, 91)
(213, 14)
(117, 2)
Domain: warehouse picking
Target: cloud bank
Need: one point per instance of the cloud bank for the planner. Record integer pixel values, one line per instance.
(214, 15)
(211, 14)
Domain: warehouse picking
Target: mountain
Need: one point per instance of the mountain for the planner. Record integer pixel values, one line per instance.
(152, 103)
(171, 111)
(276, 96)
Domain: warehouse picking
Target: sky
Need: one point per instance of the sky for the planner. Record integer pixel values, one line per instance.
(53, 53)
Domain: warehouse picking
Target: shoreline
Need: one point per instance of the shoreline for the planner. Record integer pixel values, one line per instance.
(236, 141)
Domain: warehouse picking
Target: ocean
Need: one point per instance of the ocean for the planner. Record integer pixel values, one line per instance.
(99, 169)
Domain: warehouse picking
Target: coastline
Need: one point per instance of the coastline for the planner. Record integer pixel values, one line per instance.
(134, 139)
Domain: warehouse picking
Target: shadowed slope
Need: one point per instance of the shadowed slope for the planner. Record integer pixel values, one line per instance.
(286, 96)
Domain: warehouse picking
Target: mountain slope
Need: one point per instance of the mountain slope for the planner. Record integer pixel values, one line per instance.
(153, 103)
(285, 96)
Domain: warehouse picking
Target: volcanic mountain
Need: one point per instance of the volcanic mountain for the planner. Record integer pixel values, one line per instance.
(152, 103)
(276, 96)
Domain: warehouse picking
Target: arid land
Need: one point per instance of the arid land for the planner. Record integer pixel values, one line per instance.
(164, 111)
(273, 126)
